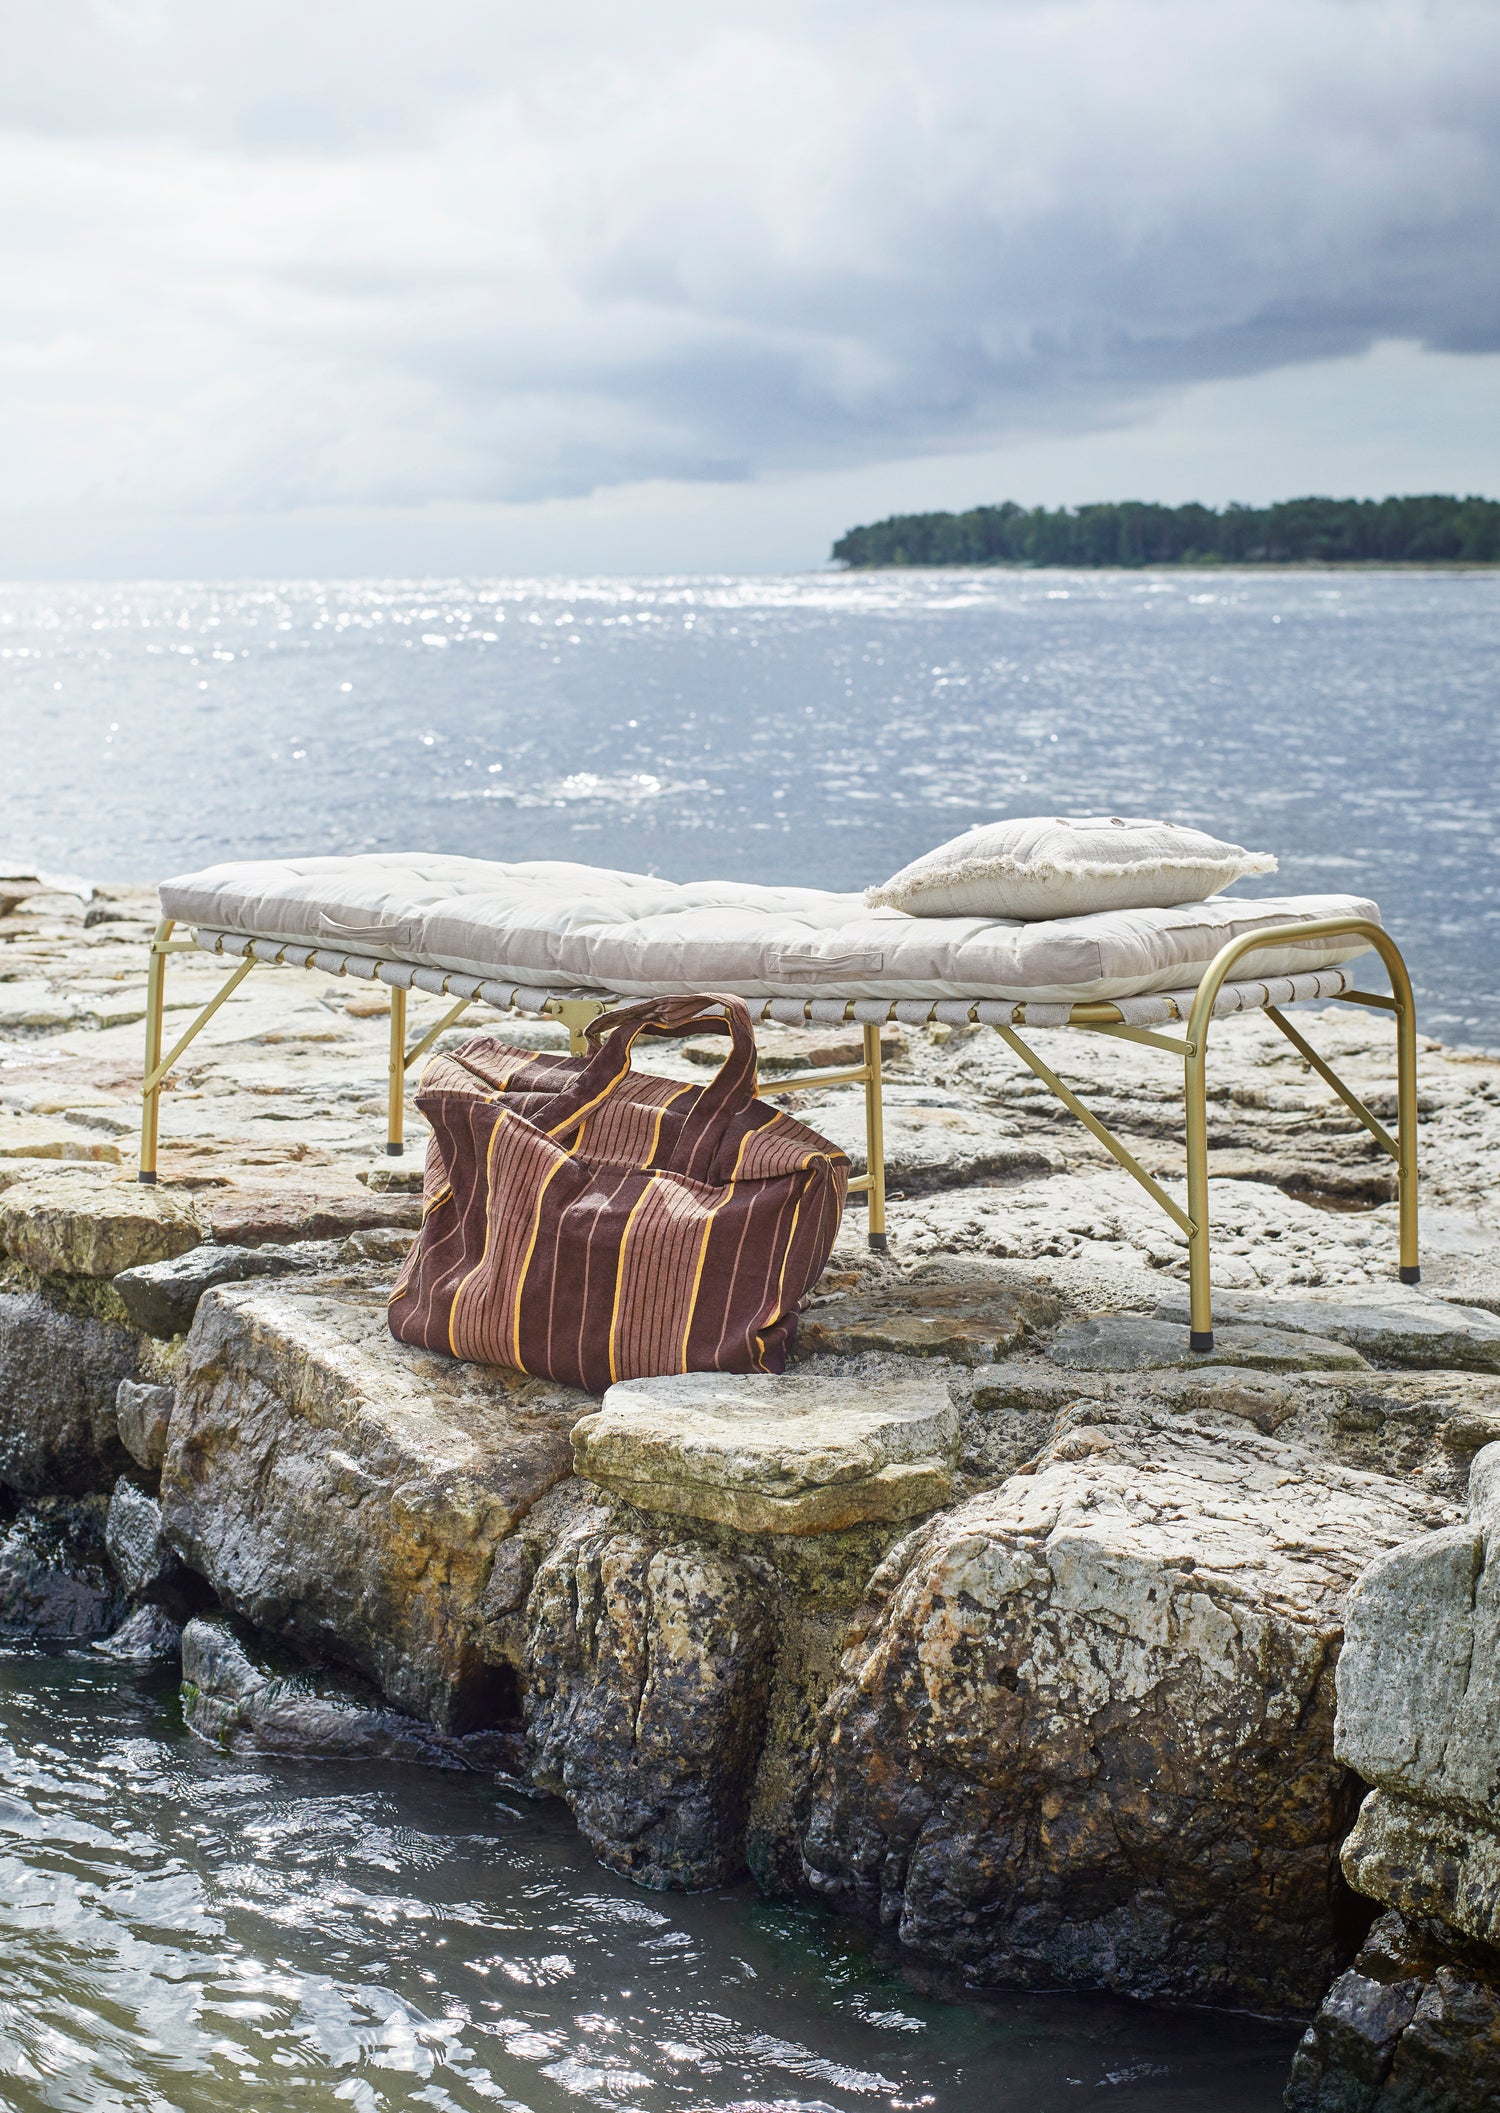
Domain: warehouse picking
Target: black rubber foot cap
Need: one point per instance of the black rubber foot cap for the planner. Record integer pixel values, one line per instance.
(146, 1181)
(395, 1151)
(1200, 1338)
(879, 1243)
(1410, 1273)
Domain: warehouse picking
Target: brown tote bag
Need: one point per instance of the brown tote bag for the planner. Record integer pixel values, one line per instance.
(586, 1223)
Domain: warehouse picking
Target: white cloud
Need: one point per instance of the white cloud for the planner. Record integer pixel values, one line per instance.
(261, 257)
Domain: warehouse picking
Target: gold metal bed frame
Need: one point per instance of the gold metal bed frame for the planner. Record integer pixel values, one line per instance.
(1097, 1017)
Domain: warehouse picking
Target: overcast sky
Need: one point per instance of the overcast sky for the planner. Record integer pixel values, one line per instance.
(353, 285)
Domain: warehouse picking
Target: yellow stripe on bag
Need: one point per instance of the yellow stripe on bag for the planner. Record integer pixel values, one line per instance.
(614, 1314)
(536, 1228)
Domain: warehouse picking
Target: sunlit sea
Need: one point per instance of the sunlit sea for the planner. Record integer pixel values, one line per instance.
(180, 1929)
(816, 728)
(183, 1930)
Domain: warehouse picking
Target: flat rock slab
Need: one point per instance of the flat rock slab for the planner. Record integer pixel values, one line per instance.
(43, 1137)
(77, 1223)
(253, 1215)
(974, 1324)
(1082, 1732)
(796, 1454)
(1123, 1342)
(348, 1494)
(932, 1142)
(162, 1297)
(1398, 1327)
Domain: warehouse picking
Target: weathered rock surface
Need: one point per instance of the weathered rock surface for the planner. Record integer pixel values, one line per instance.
(349, 1494)
(973, 1323)
(149, 1636)
(56, 1584)
(1413, 2026)
(1084, 1727)
(162, 1297)
(248, 1698)
(933, 1140)
(74, 1223)
(1420, 1426)
(647, 1676)
(1419, 1719)
(286, 1212)
(143, 1562)
(1395, 1327)
(143, 1410)
(1128, 1342)
(59, 1376)
(24, 1137)
(804, 1453)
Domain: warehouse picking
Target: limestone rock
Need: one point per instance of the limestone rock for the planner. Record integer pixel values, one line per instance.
(803, 1453)
(1395, 1327)
(645, 1695)
(349, 1494)
(41, 1137)
(285, 1212)
(150, 1636)
(248, 1698)
(1423, 1426)
(73, 1223)
(1128, 1342)
(59, 1376)
(162, 1297)
(56, 1584)
(1084, 1727)
(933, 1140)
(1419, 1719)
(973, 1323)
(1412, 2027)
(143, 1562)
(142, 1412)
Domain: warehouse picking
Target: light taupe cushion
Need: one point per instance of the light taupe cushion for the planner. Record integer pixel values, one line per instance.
(555, 926)
(1066, 866)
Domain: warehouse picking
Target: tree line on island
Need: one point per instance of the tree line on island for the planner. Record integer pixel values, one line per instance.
(1431, 530)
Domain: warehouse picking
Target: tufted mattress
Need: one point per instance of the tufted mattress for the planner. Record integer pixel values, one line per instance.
(555, 926)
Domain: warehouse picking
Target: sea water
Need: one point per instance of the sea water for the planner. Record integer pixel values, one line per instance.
(182, 1929)
(819, 729)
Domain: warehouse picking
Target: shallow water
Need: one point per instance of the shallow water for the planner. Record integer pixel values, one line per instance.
(819, 728)
(182, 1929)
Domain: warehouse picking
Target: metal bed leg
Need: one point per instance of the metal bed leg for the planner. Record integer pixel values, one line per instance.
(156, 985)
(875, 1139)
(395, 1132)
(1406, 1119)
(1195, 1118)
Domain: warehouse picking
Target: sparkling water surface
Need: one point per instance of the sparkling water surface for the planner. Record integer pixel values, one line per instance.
(183, 1929)
(819, 729)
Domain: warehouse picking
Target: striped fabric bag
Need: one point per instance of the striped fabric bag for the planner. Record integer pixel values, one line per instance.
(586, 1223)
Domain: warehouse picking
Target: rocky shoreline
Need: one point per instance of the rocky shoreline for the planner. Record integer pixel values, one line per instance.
(1004, 1625)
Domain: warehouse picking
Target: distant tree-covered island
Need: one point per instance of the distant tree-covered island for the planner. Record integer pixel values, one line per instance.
(1431, 530)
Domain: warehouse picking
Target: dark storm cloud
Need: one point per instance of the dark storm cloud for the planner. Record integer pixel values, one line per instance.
(266, 256)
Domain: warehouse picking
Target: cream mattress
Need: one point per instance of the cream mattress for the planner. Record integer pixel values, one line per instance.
(554, 926)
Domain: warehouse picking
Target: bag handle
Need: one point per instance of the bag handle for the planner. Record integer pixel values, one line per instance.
(615, 1034)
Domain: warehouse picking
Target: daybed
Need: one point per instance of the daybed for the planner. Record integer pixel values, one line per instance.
(569, 940)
